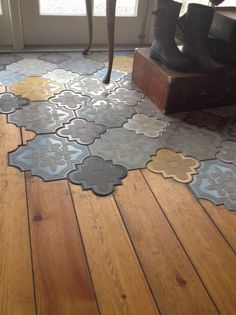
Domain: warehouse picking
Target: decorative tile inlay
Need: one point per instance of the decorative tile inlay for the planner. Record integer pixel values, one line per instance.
(227, 153)
(229, 129)
(10, 103)
(7, 59)
(174, 165)
(8, 77)
(36, 88)
(127, 83)
(116, 75)
(147, 126)
(70, 100)
(99, 56)
(82, 131)
(2, 68)
(48, 156)
(216, 182)
(2, 89)
(91, 86)
(123, 63)
(202, 119)
(82, 65)
(41, 117)
(106, 112)
(199, 143)
(129, 97)
(31, 67)
(226, 111)
(125, 148)
(56, 58)
(98, 175)
(61, 76)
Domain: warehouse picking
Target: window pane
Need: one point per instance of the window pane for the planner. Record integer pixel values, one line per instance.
(123, 7)
(228, 3)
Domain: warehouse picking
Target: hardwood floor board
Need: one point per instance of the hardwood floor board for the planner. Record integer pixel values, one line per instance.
(63, 283)
(16, 280)
(174, 282)
(209, 252)
(118, 279)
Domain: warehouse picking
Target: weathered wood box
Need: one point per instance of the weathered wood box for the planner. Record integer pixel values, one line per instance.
(174, 91)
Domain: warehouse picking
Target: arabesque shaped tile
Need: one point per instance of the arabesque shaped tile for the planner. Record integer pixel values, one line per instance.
(8, 77)
(98, 175)
(116, 75)
(148, 126)
(216, 182)
(229, 129)
(106, 112)
(61, 76)
(207, 120)
(7, 59)
(41, 117)
(226, 111)
(2, 68)
(126, 82)
(129, 97)
(227, 152)
(2, 89)
(174, 165)
(196, 142)
(56, 58)
(31, 67)
(36, 88)
(48, 156)
(100, 56)
(9, 103)
(81, 131)
(70, 100)
(123, 63)
(125, 148)
(91, 86)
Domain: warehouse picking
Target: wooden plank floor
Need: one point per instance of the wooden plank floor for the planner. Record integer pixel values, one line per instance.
(151, 248)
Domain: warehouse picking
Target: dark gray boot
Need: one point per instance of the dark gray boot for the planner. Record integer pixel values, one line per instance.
(164, 48)
(196, 28)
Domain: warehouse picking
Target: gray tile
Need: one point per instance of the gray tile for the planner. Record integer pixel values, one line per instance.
(48, 156)
(216, 182)
(8, 77)
(197, 142)
(82, 65)
(81, 131)
(116, 75)
(98, 175)
(229, 129)
(129, 97)
(125, 148)
(127, 83)
(70, 100)
(41, 117)
(7, 59)
(31, 67)
(106, 112)
(227, 153)
(56, 58)
(61, 76)
(207, 120)
(226, 111)
(9, 103)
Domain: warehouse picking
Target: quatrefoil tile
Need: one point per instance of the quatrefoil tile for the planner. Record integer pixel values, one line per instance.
(125, 148)
(9, 103)
(116, 75)
(216, 182)
(81, 65)
(7, 59)
(48, 156)
(207, 120)
(8, 77)
(56, 58)
(70, 100)
(61, 76)
(41, 117)
(229, 129)
(129, 97)
(106, 112)
(82, 131)
(123, 63)
(31, 67)
(226, 111)
(227, 153)
(98, 175)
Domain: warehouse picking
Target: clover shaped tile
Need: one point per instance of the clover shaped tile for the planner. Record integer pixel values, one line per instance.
(82, 131)
(106, 112)
(56, 58)
(9, 103)
(148, 126)
(98, 175)
(227, 152)
(70, 100)
(31, 67)
(216, 182)
(48, 156)
(123, 63)
(207, 120)
(8, 77)
(129, 97)
(174, 165)
(61, 76)
(125, 148)
(116, 75)
(126, 82)
(7, 59)
(41, 117)
(229, 129)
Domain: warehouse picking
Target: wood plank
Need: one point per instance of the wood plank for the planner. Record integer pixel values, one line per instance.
(16, 284)
(224, 219)
(211, 255)
(174, 282)
(63, 284)
(118, 278)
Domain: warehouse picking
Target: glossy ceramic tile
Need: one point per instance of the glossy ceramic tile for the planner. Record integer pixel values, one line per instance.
(106, 112)
(31, 67)
(216, 182)
(81, 131)
(56, 58)
(8, 77)
(174, 165)
(9, 103)
(81, 65)
(129, 97)
(70, 100)
(98, 175)
(207, 120)
(61, 76)
(227, 152)
(48, 156)
(148, 126)
(229, 129)
(41, 117)
(36, 88)
(125, 148)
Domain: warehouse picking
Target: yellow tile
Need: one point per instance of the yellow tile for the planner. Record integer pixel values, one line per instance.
(2, 89)
(123, 63)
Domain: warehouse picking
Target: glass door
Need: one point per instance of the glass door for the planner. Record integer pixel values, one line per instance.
(5, 25)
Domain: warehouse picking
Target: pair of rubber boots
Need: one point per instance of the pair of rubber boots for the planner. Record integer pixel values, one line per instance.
(194, 54)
